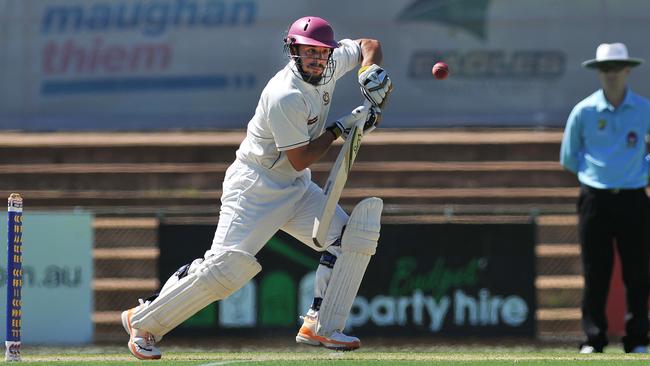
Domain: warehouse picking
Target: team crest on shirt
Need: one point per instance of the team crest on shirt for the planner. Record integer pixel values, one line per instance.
(312, 121)
(632, 139)
(326, 98)
(602, 123)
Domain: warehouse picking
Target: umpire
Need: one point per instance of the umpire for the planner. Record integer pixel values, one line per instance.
(604, 143)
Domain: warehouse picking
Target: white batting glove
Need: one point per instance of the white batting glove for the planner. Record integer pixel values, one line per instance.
(343, 126)
(375, 84)
(373, 119)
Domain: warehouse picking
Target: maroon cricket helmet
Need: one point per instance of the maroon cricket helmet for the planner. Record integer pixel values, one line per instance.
(311, 31)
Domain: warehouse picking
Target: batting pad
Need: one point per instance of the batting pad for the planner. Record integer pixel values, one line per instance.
(358, 244)
(215, 279)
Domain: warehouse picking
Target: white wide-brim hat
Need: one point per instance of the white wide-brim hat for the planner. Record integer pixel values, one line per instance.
(612, 52)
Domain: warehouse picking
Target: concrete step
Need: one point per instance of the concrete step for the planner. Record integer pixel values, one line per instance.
(558, 228)
(417, 211)
(125, 256)
(117, 294)
(564, 321)
(557, 250)
(219, 146)
(126, 263)
(97, 148)
(551, 298)
(558, 259)
(568, 313)
(125, 284)
(210, 198)
(559, 290)
(559, 281)
(121, 293)
(202, 176)
(559, 275)
(129, 232)
(117, 301)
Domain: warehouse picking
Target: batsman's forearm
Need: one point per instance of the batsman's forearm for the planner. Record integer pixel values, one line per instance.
(319, 146)
(304, 156)
(371, 52)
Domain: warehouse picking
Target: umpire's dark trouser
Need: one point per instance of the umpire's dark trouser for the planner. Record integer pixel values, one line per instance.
(623, 215)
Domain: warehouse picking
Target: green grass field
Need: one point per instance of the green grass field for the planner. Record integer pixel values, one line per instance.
(301, 356)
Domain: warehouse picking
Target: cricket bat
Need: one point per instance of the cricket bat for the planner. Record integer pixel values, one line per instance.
(335, 183)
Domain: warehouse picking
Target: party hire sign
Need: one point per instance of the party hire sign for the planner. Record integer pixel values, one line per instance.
(429, 279)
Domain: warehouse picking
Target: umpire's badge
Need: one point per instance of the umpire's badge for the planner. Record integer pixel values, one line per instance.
(632, 138)
(602, 124)
(326, 98)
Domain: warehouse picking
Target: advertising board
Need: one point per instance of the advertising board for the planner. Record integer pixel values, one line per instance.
(426, 279)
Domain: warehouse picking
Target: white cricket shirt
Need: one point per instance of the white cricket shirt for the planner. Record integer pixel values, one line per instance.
(292, 112)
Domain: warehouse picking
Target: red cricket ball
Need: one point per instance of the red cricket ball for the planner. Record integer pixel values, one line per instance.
(440, 70)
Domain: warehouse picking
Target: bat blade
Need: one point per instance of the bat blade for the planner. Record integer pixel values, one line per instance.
(335, 182)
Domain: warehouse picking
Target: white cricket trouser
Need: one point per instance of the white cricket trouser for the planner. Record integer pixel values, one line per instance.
(257, 202)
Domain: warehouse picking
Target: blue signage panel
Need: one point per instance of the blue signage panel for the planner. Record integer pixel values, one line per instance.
(57, 264)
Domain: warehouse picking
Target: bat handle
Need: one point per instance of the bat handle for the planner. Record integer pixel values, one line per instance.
(362, 124)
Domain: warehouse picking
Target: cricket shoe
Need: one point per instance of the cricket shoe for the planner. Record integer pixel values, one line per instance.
(142, 344)
(639, 349)
(586, 349)
(336, 341)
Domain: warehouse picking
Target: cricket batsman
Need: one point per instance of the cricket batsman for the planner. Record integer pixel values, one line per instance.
(268, 188)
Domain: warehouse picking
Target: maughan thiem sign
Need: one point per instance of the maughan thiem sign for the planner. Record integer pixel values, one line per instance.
(132, 64)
